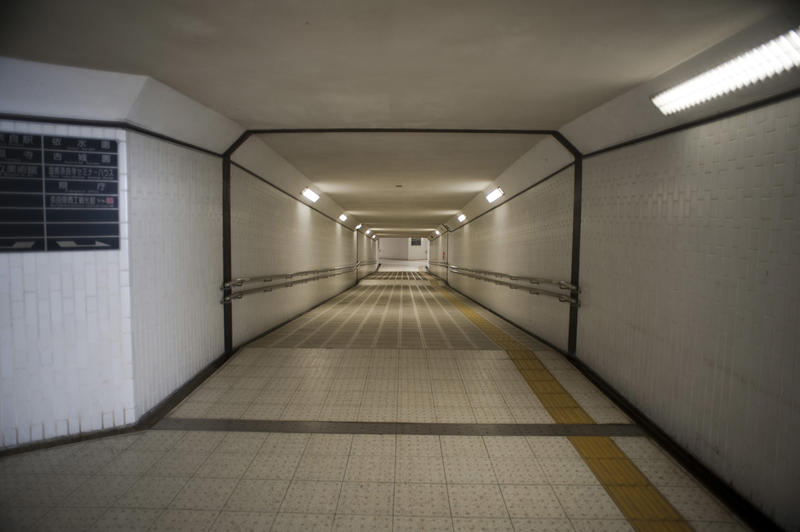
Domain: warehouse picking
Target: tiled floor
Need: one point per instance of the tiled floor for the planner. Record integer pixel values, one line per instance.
(391, 350)
(192, 480)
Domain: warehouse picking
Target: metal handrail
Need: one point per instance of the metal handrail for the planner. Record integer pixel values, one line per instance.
(438, 262)
(240, 281)
(564, 285)
(269, 288)
(368, 262)
(564, 298)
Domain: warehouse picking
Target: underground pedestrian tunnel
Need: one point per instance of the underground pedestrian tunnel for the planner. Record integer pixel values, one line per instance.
(399, 266)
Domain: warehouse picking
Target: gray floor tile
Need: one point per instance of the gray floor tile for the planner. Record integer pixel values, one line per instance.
(366, 498)
(289, 522)
(257, 496)
(472, 524)
(151, 492)
(419, 524)
(243, 522)
(365, 523)
(127, 519)
(532, 501)
(426, 500)
(311, 497)
(476, 500)
(184, 520)
(204, 493)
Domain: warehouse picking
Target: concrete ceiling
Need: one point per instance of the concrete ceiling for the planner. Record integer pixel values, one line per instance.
(475, 64)
(437, 173)
(530, 64)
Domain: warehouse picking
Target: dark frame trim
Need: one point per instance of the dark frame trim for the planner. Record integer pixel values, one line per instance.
(227, 260)
(575, 266)
(405, 130)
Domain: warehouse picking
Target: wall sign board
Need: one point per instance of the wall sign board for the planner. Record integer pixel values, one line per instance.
(58, 193)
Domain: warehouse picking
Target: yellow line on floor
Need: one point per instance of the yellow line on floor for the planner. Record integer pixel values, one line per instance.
(645, 508)
(556, 400)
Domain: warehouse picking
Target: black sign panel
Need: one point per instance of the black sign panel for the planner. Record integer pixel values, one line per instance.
(58, 193)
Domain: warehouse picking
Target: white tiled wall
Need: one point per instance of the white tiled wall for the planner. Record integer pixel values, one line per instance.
(367, 252)
(65, 342)
(438, 253)
(530, 235)
(176, 265)
(272, 233)
(690, 258)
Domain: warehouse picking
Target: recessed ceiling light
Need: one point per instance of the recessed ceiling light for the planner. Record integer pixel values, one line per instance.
(343, 217)
(769, 59)
(369, 231)
(494, 194)
(373, 236)
(358, 227)
(462, 217)
(310, 194)
(437, 232)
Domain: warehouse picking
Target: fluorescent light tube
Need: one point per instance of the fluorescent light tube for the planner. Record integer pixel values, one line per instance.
(494, 194)
(769, 59)
(310, 194)
(343, 217)
(462, 217)
(358, 227)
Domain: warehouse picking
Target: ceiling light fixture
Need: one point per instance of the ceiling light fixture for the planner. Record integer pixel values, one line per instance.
(310, 194)
(769, 59)
(369, 231)
(343, 217)
(494, 194)
(358, 227)
(437, 232)
(462, 217)
(373, 236)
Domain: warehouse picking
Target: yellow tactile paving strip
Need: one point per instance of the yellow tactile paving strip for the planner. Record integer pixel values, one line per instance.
(645, 508)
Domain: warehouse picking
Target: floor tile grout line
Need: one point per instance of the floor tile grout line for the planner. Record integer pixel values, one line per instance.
(434, 318)
(291, 481)
(420, 331)
(438, 299)
(319, 327)
(300, 322)
(324, 315)
(330, 390)
(346, 320)
(382, 324)
(377, 293)
(446, 483)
